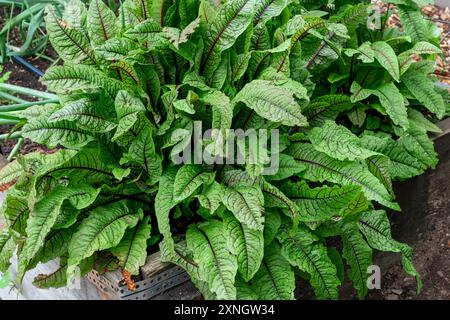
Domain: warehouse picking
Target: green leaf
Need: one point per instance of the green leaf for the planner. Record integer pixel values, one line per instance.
(5, 280)
(325, 108)
(217, 267)
(417, 143)
(65, 133)
(392, 100)
(188, 179)
(148, 31)
(230, 22)
(275, 279)
(402, 164)
(7, 247)
(413, 22)
(56, 279)
(72, 77)
(15, 211)
(338, 142)
(85, 114)
(272, 102)
(56, 245)
(143, 152)
(128, 108)
(358, 255)
(131, 251)
(321, 167)
(104, 228)
(244, 291)
(70, 43)
(75, 14)
(211, 197)
(240, 65)
(177, 36)
(247, 205)
(321, 52)
(182, 256)
(187, 10)
(303, 250)
(116, 49)
(46, 211)
(302, 30)
(407, 58)
(101, 21)
(352, 16)
(159, 10)
(423, 89)
(90, 165)
(358, 116)
(222, 110)
(268, 9)
(419, 121)
(379, 166)
(386, 56)
(377, 230)
(365, 51)
(273, 197)
(38, 162)
(323, 203)
(246, 244)
(10, 173)
(164, 202)
(287, 167)
(272, 223)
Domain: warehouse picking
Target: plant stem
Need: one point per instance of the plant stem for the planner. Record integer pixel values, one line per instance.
(25, 105)
(28, 91)
(14, 135)
(7, 96)
(386, 17)
(8, 121)
(16, 149)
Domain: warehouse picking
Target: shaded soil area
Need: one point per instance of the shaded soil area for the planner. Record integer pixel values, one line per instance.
(431, 245)
(22, 77)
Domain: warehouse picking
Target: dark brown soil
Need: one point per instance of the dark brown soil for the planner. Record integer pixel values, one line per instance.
(22, 77)
(431, 245)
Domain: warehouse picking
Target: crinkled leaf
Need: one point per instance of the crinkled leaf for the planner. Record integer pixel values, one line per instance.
(303, 250)
(131, 251)
(246, 244)
(217, 266)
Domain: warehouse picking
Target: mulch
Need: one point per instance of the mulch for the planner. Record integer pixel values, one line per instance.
(439, 16)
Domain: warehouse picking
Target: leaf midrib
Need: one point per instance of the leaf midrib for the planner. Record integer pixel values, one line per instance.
(338, 172)
(219, 267)
(217, 37)
(298, 245)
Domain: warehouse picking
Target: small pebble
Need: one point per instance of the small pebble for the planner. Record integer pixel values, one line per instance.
(440, 274)
(397, 291)
(392, 297)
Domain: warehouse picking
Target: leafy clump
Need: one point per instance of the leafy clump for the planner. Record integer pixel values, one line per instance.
(351, 107)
